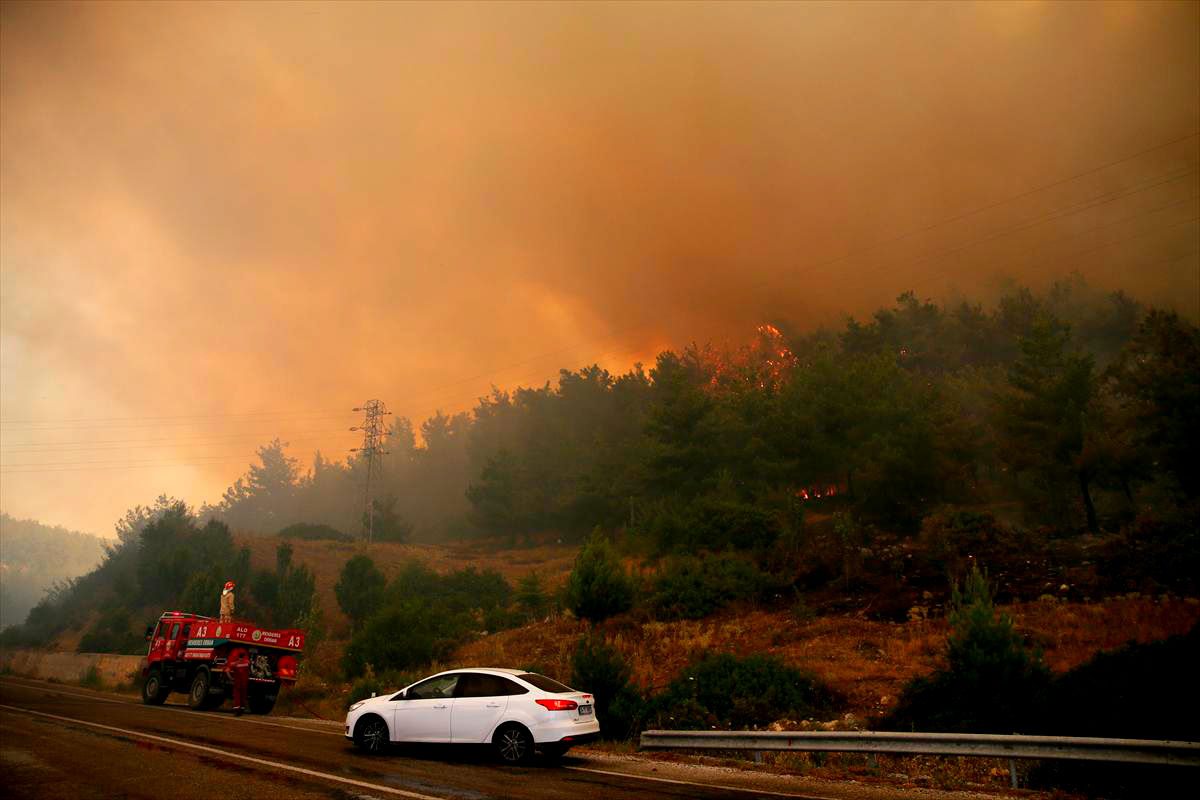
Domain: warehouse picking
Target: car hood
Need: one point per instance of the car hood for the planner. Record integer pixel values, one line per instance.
(372, 702)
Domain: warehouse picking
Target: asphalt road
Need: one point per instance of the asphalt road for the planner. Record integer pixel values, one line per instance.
(64, 742)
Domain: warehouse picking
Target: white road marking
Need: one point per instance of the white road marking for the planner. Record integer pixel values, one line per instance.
(223, 718)
(312, 773)
(702, 785)
(614, 773)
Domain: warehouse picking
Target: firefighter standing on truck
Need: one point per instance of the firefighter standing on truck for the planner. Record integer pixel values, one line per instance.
(239, 671)
(227, 602)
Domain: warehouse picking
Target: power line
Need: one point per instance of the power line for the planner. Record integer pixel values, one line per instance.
(149, 422)
(139, 444)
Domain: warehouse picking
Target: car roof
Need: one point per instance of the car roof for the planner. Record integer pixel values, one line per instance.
(500, 670)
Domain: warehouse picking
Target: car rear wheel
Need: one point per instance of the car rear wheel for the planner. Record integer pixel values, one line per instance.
(514, 744)
(371, 735)
(154, 691)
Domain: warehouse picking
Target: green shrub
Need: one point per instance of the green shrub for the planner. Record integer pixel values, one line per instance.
(710, 523)
(471, 589)
(387, 525)
(462, 590)
(802, 612)
(360, 589)
(690, 588)
(532, 599)
(425, 616)
(1155, 553)
(598, 668)
(729, 692)
(366, 687)
(992, 683)
(312, 531)
(951, 539)
(1139, 691)
(406, 633)
(287, 595)
(598, 586)
(114, 632)
(499, 618)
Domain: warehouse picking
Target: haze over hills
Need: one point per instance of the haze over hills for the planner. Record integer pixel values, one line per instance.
(33, 557)
(415, 202)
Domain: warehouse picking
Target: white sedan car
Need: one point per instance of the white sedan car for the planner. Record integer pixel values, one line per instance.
(513, 710)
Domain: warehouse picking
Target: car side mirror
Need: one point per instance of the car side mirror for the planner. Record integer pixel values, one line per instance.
(149, 632)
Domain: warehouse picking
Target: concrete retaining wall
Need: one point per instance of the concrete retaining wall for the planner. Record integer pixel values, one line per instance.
(113, 670)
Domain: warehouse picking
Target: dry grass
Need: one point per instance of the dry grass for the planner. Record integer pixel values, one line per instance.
(868, 662)
(1071, 633)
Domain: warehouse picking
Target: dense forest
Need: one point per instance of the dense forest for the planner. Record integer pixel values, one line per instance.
(934, 460)
(1072, 408)
(1048, 435)
(34, 557)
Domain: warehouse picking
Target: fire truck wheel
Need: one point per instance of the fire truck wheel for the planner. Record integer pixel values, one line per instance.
(261, 703)
(154, 693)
(198, 697)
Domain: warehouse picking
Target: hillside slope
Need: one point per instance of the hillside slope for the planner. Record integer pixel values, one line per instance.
(33, 557)
(326, 559)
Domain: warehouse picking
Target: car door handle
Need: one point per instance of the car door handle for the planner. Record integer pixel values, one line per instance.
(441, 706)
(493, 705)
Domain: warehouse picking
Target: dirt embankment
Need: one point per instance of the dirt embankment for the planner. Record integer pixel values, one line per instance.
(867, 661)
(109, 669)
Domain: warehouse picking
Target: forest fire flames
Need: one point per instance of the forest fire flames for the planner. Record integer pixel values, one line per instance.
(764, 363)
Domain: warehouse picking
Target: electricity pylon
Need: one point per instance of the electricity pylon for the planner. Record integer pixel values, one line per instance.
(372, 450)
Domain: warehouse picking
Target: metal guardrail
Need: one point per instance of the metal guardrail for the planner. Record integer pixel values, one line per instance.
(1128, 751)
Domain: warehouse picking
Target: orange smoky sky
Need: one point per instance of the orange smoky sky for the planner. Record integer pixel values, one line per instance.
(223, 223)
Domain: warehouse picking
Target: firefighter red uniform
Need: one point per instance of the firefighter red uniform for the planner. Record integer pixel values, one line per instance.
(239, 672)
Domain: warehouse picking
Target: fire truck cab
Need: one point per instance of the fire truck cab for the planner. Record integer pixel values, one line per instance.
(190, 653)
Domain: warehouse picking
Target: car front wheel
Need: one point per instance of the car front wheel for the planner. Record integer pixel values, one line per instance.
(514, 744)
(371, 735)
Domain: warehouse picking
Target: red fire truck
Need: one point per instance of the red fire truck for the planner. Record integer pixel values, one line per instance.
(190, 653)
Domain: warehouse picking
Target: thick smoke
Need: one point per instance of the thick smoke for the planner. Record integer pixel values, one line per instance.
(218, 209)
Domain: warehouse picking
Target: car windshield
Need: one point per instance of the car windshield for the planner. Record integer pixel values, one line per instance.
(544, 683)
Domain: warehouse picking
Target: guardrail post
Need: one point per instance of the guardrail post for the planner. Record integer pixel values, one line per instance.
(1012, 772)
(758, 756)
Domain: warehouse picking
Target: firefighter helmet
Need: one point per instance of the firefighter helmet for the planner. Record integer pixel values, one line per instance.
(228, 587)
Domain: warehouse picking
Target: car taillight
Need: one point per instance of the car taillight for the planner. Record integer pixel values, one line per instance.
(558, 705)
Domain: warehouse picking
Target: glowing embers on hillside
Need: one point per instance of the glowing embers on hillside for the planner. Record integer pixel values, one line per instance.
(819, 491)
